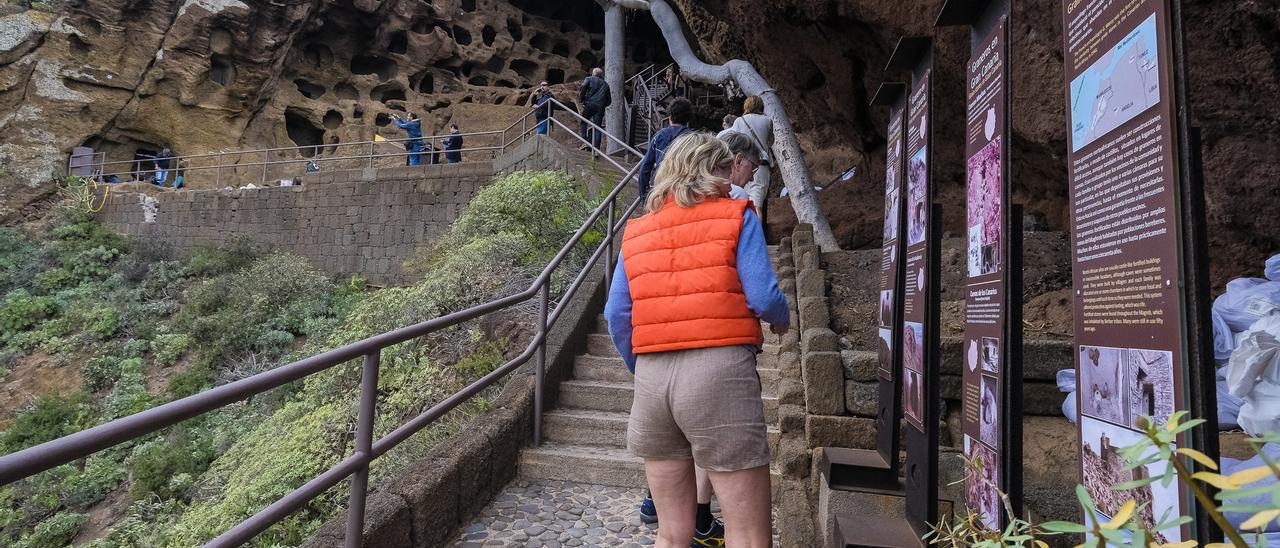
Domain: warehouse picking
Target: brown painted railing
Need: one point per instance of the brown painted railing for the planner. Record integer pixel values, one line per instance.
(45, 456)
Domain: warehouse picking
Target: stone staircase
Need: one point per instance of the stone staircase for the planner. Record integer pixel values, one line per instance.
(585, 436)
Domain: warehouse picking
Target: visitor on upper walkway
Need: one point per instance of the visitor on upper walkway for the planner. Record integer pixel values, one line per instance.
(726, 125)
(681, 113)
(541, 102)
(759, 128)
(746, 160)
(453, 145)
(180, 178)
(412, 126)
(690, 334)
(163, 162)
(675, 84)
(595, 97)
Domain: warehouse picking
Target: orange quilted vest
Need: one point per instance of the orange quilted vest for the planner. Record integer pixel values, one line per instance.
(681, 265)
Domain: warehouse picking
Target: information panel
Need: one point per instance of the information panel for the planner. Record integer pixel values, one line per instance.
(916, 293)
(889, 258)
(986, 285)
(1125, 244)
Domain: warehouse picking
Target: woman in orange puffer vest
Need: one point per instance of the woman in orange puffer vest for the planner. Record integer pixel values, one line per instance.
(692, 285)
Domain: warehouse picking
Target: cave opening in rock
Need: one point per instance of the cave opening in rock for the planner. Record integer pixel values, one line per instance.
(302, 131)
(332, 119)
(567, 26)
(478, 80)
(333, 144)
(561, 48)
(461, 36)
(309, 90)
(514, 28)
(346, 91)
(587, 60)
(422, 26)
(387, 92)
(373, 64)
(467, 68)
(555, 76)
(399, 42)
(424, 83)
(318, 55)
(495, 64)
(539, 41)
(468, 5)
(220, 41)
(525, 68)
(505, 83)
(78, 44)
(357, 113)
(221, 70)
(499, 100)
(596, 45)
(488, 35)
(382, 119)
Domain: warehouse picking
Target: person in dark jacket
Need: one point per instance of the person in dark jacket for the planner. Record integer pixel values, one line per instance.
(453, 145)
(412, 126)
(541, 101)
(594, 97)
(163, 161)
(681, 112)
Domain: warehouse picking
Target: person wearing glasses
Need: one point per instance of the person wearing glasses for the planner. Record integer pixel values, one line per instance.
(746, 160)
(541, 100)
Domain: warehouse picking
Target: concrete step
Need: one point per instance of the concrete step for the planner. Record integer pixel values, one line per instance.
(599, 344)
(602, 325)
(582, 464)
(596, 368)
(579, 427)
(596, 396)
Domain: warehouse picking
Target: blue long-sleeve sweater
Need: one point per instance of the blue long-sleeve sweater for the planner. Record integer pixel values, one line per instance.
(754, 271)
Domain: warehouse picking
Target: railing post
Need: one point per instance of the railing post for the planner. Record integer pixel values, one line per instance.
(543, 299)
(608, 251)
(364, 447)
(371, 154)
(217, 179)
(265, 159)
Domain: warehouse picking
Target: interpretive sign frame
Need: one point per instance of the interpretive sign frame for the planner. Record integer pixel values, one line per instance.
(880, 468)
(1138, 261)
(991, 422)
(920, 296)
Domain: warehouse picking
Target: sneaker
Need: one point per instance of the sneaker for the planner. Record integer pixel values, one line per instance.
(713, 537)
(648, 514)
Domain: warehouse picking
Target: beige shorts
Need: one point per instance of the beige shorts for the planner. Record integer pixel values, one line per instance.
(702, 404)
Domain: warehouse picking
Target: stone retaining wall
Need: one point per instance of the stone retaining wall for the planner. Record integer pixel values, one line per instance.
(364, 221)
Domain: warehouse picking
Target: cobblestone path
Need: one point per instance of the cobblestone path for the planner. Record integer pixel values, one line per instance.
(559, 513)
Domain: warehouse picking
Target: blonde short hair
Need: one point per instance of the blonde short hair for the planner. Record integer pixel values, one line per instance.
(753, 105)
(687, 171)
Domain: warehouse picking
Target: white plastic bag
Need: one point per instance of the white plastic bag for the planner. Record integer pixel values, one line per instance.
(1255, 376)
(1245, 301)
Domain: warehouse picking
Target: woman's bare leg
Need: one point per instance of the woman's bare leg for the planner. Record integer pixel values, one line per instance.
(675, 495)
(745, 503)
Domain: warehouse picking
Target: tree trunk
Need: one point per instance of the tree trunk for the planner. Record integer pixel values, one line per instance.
(614, 73)
(786, 149)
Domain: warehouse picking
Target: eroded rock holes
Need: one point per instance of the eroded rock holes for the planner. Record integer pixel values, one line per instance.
(373, 64)
(308, 89)
(302, 131)
(332, 119)
(221, 70)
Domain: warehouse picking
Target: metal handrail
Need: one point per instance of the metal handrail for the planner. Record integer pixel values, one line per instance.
(45, 456)
(100, 168)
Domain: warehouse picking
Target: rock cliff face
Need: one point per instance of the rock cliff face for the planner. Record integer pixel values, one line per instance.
(129, 76)
(202, 75)
(826, 58)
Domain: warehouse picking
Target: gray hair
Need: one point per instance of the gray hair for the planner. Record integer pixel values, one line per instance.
(729, 119)
(597, 71)
(740, 144)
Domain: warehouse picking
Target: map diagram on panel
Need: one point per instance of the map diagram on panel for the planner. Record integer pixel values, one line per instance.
(1121, 84)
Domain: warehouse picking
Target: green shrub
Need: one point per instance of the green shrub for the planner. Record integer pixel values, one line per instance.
(21, 310)
(18, 254)
(50, 417)
(54, 279)
(274, 343)
(135, 348)
(155, 464)
(211, 260)
(189, 382)
(168, 348)
(102, 474)
(101, 321)
(94, 263)
(100, 373)
(165, 278)
(55, 532)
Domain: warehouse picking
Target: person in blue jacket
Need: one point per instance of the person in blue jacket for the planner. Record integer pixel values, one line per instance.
(541, 101)
(681, 112)
(453, 145)
(413, 126)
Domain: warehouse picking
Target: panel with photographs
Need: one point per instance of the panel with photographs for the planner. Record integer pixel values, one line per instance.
(913, 372)
(984, 212)
(981, 487)
(1124, 385)
(1104, 466)
(917, 197)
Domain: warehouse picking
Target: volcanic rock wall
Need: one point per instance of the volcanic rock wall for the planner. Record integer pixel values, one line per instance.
(130, 76)
(826, 59)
